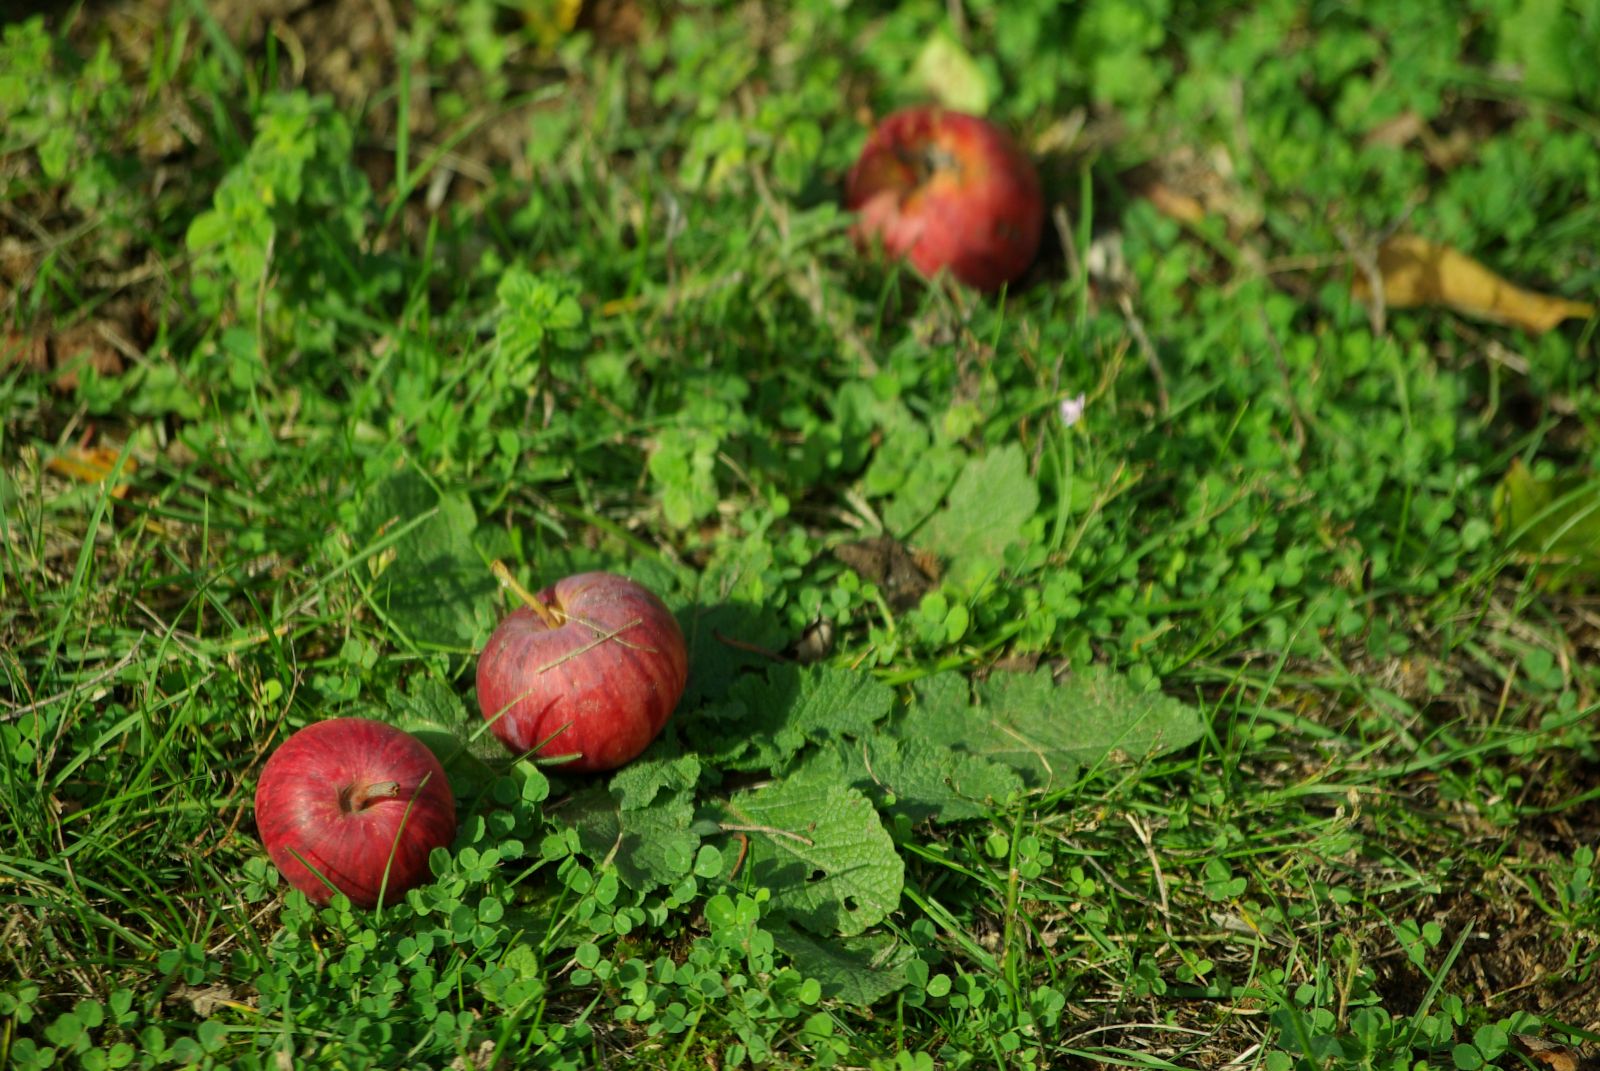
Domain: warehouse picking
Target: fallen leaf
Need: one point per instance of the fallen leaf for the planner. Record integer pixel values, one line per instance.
(903, 577)
(1174, 205)
(30, 351)
(1172, 186)
(19, 262)
(1553, 522)
(92, 464)
(83, 344)
(1397, 131)
(1189, 187)
(206, 1001)
(613, 22)
(1444, 152)
(1548, 1054)
(1418, 272)
(550, 20)
(481, 1060)
(947, 72)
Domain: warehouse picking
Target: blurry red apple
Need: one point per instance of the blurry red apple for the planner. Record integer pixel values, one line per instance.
(591, 668)
(351, 798)
(948, 191)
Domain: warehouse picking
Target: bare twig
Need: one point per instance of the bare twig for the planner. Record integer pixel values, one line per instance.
(1366, 261)
(728, 827)
(742, 645)
(1151, 358)
(1069, 245)
(1155, 865)
(603, 637)
(551, 617)
(958, 19)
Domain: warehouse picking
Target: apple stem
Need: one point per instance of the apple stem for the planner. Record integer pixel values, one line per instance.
(359, 797)
(546, 614)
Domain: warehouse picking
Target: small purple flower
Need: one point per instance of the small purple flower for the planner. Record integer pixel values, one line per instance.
(1072, 410)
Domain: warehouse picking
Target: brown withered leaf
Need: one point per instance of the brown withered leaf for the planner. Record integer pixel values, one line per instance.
(1397, 131)
(1189, 187)
(1444, 152)
(207, 1000)
(1548, 1054)
(1174, 204)
(482, 1060)
(83, 344)
(30, 351)
(884, 561)
(613, 22)
(1418, 272)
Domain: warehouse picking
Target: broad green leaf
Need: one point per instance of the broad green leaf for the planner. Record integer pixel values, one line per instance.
(1555, 521)
(715, 664)
(651, 846)
(766, 720)
(857, 970)
(430, 583)
(636, 785)
(918, 778)
(532, 308)
(1046, 731)
(1543, 40)
(434, 714)
(917, 469)
(822, 850)
(948, 73)
(683, 469)
(991, 501)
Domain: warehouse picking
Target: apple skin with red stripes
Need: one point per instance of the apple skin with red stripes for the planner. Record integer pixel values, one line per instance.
(947, 192)
(351, 799)
(592, 670)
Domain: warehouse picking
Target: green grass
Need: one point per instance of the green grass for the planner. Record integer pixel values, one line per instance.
(1307, 729)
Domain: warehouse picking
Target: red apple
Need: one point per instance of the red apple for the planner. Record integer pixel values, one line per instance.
(351, 799)
(948, 191)
(591, 668)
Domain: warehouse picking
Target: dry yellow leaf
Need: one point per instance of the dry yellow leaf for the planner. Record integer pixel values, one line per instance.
(550, 20)
(1174, 204)
(1417, 272)
(91, 464)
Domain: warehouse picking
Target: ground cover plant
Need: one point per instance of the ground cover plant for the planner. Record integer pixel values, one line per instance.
(1184, 657)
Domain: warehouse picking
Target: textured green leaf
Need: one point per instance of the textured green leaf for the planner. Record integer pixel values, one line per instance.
(1044, 730)
(918, 778)
(947, 72)
(987, 507)
(1555, 521)
(434, 714)
(635, 785)
(433, 585)
(918, 468)
(766, 720)
(650, 846)
(857, 970)
(532, 308)
(715, 665)
(822, 850)
(1544, 41)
